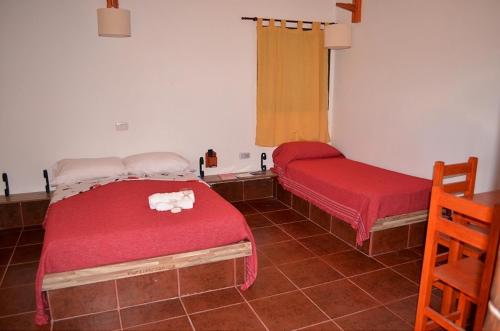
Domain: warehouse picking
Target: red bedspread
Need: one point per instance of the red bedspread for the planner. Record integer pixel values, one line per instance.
(355, 192)
(113, 223)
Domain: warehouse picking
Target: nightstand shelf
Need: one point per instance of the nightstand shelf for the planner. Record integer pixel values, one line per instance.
(258, 186)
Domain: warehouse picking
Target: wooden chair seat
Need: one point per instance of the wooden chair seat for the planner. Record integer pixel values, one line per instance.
(463, 275)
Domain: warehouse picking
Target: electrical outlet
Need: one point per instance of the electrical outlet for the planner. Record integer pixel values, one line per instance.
(121, 126)
(245, 155)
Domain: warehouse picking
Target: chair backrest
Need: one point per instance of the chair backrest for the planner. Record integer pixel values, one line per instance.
(465, 209)
(467, 169)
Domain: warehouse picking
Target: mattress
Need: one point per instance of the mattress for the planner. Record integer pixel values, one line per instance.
(355, 192)
(112, 223)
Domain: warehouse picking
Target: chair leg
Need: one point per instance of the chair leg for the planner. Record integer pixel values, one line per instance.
(464, 309)
(424, 296)
(447, 301)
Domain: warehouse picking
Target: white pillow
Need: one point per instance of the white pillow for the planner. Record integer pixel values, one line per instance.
(68, 171)
(156, 162)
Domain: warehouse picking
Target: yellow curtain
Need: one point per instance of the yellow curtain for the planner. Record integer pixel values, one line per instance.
(292, 96)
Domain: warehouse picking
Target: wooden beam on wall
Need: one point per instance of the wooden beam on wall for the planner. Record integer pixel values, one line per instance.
(354, 8)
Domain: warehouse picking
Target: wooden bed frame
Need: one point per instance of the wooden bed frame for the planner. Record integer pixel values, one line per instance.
(387, 235)
(94, 293)
(79, 277)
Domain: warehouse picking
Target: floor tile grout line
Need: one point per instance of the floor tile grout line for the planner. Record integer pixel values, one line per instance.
(380, 302)
(15, 286)
(252, 309)
(150, 302)
(359, 311)
(82, 315)
(18, 314)
(25, 262)
(318, 257)
(297, 238)
(397, 264)
(276, 242)
(366, 292)
(406, 277)
(215, 308)
(118, 308)
(314, 256)
(400, 299)
(369, 272)
(208, 291)
(30, 244)
(158, 321)
(350, 279)
(310, 300)
(316, 324)
(166, 299)
(337, 270)
(187, 315)
(10, 258)
(401, 318)
(270, 296)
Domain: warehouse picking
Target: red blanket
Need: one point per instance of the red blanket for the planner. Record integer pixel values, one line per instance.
(355, 192)
(113, 223)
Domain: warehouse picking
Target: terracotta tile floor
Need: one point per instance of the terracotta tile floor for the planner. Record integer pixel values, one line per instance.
(308, 280)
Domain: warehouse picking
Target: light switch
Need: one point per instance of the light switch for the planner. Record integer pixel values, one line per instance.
(244, 155)
(121, 126)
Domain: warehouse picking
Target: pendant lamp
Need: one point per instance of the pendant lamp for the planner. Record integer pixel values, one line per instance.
(113, 21)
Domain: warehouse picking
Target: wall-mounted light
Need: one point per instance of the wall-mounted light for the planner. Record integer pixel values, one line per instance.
(338, 36)
(113, 21)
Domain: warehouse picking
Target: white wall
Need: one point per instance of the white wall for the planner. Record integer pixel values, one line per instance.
(421, 83)
(185, 81)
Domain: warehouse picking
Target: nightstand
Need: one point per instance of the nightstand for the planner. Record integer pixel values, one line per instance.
(23, 210)
(243, 186)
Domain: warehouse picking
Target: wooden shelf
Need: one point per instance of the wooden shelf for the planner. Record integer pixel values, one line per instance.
(24, 209)
(25, 197)
(259, 186)
(216, 179)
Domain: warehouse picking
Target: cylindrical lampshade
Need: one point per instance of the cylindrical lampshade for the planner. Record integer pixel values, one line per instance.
(113, 22)
(338, 36)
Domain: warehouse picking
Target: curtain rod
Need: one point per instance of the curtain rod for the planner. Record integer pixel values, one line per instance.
(279, 19)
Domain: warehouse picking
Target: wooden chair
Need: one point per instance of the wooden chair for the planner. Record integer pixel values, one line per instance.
(464, 187)
(461, 274)
(444, 171)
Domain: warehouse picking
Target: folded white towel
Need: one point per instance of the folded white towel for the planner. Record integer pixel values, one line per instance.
(174, 201)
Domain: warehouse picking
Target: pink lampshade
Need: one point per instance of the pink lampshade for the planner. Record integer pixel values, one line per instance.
(338, 36)
(113, 22)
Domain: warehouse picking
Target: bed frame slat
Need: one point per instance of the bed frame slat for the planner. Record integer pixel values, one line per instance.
(59, 280)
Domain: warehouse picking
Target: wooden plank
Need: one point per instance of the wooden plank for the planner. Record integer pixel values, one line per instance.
(457, 187)
(147, 266)
(25, 197)
(463, 206)
(400, 220)
(466, 235)
(354, 8)
(215, 179)
(456, 169)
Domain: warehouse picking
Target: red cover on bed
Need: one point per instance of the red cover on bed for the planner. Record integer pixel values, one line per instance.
(113, 223)
(355, 192)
